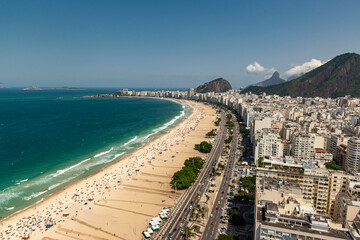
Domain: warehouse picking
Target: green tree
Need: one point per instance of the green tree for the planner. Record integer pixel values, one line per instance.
(260, 164)
(218, 120)
(229, 139)
(249, 183)
(188, 231)
(203, 147)
(332, 165)
(186, 176)
(212, 133)
(236, 218)
(230, 124)
(196, 228)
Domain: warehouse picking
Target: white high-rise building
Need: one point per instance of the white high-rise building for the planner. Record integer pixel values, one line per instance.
(303, 147)
(191, 93)
(352, 164)
(268, 145)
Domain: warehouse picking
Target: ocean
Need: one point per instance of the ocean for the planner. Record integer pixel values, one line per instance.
(51, 138)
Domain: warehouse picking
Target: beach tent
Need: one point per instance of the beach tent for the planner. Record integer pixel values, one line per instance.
(156, 227)
(149, 231)
(158, 219)
(146, 235)
(153, 223)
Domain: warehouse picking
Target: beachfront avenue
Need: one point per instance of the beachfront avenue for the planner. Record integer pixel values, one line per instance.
(218, 206)
(176, 225)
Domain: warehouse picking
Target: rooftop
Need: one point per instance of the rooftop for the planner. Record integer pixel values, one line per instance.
(300, 228)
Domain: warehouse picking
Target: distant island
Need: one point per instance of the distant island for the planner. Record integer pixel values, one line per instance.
(2, 85)
(33, 88)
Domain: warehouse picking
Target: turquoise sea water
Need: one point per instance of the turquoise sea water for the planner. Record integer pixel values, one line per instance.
(50, 138)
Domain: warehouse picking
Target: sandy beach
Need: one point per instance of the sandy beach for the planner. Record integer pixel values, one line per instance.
(119, 201)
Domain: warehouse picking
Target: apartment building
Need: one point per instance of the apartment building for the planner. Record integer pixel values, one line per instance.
(352, 163)
(303, 147)
(322, 156)
(337, 191)
(268, 144)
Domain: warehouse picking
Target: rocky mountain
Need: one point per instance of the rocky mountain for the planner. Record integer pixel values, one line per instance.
(217, 85)
(338, 77)
(275, 79)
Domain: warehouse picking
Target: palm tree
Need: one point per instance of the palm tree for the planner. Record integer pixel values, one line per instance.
(188, 231)
(197, 215)
(196, 228)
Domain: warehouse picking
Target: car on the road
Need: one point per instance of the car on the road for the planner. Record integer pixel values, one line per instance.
(212, 223)
(217, 208)
(180, 219)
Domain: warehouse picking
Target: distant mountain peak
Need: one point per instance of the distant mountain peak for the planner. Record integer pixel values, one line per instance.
(217, 85)
(338, 77)
(276, 75)
(275, 79)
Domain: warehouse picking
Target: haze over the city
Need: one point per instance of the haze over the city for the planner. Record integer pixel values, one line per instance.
(169, 44)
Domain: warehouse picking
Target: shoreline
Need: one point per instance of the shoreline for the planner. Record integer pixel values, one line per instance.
(129, 153)
(50, 201)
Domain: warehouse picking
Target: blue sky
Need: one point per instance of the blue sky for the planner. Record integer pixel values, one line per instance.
(176, 44)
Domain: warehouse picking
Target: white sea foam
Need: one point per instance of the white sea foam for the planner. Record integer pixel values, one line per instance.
(62, 171)
(117, 155)
(172, 121)
(104, 160)
(60, 183)
(103, 153)
(8, 195)
(34, 195)
(24, 180)
(9, 208)
(132, 140)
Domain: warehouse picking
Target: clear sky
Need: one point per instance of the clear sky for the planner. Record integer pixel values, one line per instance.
(169, 43)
